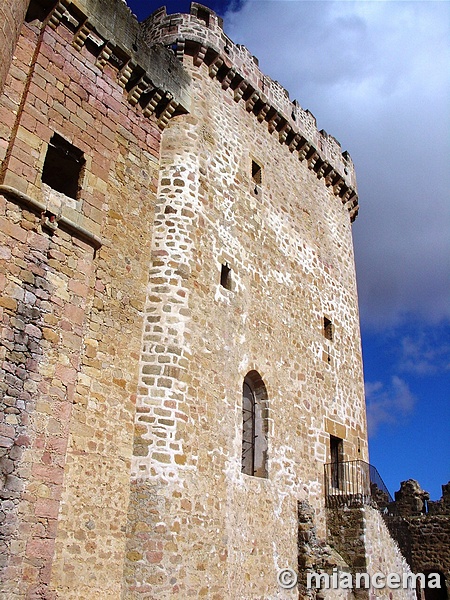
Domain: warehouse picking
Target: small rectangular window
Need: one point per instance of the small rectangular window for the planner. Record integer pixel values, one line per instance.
(62, 166)
(256, 173)
(225, 276)
(328, 329)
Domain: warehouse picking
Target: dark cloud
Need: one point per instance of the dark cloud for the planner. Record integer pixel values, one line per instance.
(375, 76)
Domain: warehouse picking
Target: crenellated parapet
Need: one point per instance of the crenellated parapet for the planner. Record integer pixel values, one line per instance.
(421, 528)
(200, 35)
(155, 81)
(151, 77)
(412, 501)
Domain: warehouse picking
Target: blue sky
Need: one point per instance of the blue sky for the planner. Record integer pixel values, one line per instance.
(375, 75)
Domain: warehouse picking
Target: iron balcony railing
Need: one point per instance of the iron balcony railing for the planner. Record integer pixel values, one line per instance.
(355, 482)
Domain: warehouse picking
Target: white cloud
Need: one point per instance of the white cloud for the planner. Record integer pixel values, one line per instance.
(388, 404)
(375, 75)
(425, 353)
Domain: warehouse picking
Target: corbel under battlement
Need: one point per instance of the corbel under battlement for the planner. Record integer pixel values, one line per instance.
(152, 77)
(200, 35)
(147, 58)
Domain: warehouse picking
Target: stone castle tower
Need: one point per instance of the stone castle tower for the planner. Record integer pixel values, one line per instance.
(181, 350)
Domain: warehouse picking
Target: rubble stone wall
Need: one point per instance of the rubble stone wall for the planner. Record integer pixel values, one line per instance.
(346, 530)
(124, 354)
(422, 528)
(384, 555)
(197, 524)
(361, 537)
(73, 285)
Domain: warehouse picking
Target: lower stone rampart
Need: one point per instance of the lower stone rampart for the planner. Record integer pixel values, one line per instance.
(361, 537)
(422, 529)
(383, 555)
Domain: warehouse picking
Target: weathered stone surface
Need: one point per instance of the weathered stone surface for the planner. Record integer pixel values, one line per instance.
(12, 15)
(209, 238)
(422, 528)
(71, 320)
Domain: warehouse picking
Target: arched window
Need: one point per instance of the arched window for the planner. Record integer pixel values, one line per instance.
(254, 426)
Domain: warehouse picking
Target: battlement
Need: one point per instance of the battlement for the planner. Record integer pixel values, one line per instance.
(200, 35)
(412, 501)
(151, 76)
(144, 58)
(181, 348)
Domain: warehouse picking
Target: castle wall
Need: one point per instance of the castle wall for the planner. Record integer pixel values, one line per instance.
(73, 289)
(197, 524)
(44, 296)
(360, 535)
(346, 530)
(384, 555)
(422, 529)
(424, 541)
(122, 351)
(12, 15)
(201, 35)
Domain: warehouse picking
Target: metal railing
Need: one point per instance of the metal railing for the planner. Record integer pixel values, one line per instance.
(355, 482)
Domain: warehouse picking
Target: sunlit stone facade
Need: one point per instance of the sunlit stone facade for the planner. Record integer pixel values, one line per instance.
(181, 347)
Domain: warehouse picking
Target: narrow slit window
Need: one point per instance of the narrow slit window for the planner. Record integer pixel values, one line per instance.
(63, 166)
(254, 426)
(328, 329)
(225, 276)
(248, 429)
(256, 176)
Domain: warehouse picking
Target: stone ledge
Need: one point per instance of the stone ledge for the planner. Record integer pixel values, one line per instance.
(59, 221)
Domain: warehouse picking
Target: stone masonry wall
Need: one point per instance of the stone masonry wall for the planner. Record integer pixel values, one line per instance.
(422, 528)
(44, 295)
(201, 34)
(360, 535)
(346, 535)
(121, 350)
(384, 555)
(197, 525)
(73, 289)
(12, 15)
